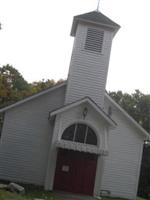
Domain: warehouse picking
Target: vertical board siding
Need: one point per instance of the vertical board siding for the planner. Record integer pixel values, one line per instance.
(26, 138)
(88, 70)
(122, 166)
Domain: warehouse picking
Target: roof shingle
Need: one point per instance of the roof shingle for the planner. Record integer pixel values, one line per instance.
(96, 18)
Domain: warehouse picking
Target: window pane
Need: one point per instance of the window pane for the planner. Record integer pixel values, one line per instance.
(80, 133)
(69, 133)
(91, 137)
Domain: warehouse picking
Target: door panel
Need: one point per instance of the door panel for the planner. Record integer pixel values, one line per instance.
(75, 172)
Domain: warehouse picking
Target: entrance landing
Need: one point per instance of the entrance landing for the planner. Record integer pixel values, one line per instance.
(72, 196)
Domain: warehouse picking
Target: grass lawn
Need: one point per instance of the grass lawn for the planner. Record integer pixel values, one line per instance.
(105, 198)
(29, 195)
(35, 193)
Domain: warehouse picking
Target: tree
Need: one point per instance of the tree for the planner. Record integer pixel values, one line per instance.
(143, 109)
(13, 87)
(44, 84)
(41, 85)
(136, 104)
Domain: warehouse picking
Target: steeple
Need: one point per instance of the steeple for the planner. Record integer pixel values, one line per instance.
(96, 18)
(93, 34)
(98, 6)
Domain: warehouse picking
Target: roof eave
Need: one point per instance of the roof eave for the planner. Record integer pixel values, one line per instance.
(111, 122)
(32, 97)
(77, 20)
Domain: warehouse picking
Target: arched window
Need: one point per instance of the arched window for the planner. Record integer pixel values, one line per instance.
(80, 133)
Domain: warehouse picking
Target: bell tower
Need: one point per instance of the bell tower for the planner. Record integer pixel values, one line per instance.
(87, 76)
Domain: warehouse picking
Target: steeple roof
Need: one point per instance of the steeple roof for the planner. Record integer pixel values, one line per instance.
(94, 17)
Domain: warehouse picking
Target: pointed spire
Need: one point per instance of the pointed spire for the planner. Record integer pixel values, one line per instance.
(98, 6)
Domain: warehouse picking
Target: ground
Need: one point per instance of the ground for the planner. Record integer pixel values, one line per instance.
(36, 193)
(30, 195)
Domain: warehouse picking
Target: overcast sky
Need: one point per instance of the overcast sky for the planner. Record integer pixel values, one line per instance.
(35, 39)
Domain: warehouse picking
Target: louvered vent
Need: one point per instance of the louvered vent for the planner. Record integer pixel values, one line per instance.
(94, 40)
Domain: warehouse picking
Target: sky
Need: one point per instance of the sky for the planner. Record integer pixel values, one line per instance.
(35, 39)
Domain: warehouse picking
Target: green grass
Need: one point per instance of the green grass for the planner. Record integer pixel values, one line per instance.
(139, 198)
(37, 193)
(29, 195)
(106, 198)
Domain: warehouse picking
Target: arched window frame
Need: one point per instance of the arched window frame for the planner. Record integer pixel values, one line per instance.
(86, 133)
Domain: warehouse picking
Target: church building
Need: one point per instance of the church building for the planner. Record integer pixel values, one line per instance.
(74, 137)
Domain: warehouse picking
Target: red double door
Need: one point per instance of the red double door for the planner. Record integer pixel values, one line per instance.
(75, 172)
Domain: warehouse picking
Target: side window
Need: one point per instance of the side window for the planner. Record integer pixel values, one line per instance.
(1, 122)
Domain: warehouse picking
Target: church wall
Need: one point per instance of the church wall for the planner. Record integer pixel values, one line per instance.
(26, 138)
(122, 165)
(88, 70)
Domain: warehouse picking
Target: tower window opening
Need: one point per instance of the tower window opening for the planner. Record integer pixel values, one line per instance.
(94, 40)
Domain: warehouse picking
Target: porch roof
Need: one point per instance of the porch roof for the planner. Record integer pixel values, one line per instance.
(76, 146)
(88, 100)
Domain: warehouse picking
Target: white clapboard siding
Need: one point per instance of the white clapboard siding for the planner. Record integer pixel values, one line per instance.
(88, 69)
(122, 166)
(26, 138)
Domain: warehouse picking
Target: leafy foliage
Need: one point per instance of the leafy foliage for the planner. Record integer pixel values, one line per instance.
(136, 104)
(42, 85)
(13, 87)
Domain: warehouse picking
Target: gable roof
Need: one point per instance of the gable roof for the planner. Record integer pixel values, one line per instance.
(32, 97)
(88, 100)
(94, 17)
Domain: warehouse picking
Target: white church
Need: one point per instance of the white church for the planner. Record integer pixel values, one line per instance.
(74, 137)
